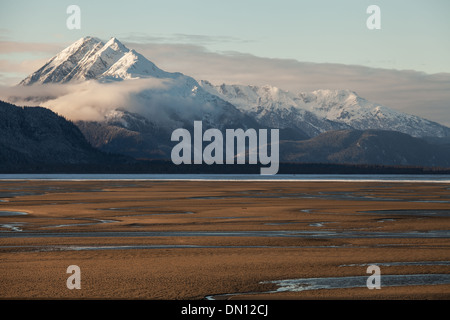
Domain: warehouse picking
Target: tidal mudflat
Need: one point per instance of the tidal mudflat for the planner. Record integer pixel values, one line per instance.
(224, 239)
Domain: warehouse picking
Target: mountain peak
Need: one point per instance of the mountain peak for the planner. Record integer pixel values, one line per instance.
(90, 58)
(89, 38)
(58, 68)
(116, 44)
(85, 42)
(343, 93)
(133, 65)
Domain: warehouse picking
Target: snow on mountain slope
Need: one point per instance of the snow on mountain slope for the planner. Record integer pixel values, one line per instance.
(322, 110)
(133, 65)
(273, 107)
(60, 66)
(347, 107)
(90, 58)
(92, 66)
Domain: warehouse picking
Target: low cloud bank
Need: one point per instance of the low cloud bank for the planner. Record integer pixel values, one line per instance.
(88, 101)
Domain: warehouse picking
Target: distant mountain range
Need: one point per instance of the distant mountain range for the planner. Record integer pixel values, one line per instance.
(329, 126)
(322, 110)
(367, 147)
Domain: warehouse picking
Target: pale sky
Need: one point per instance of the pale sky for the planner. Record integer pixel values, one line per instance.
(414, 35)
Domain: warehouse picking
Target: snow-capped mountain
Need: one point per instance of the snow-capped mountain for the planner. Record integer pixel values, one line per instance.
(175, 103)
(322, 110)
(141, 124)
(274, 107)
(345, 106)
(91, 59)
(62, 67)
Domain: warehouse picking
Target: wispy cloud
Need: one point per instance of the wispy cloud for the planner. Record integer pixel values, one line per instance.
(156, 99)
(8, 47)
(180, 38)
(21, 67)
(88, 100)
